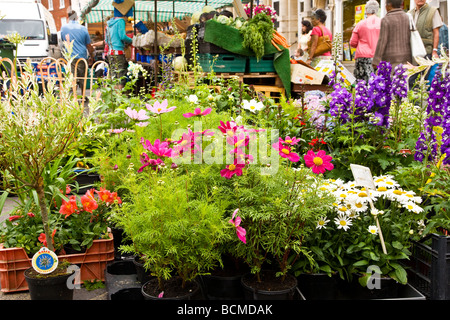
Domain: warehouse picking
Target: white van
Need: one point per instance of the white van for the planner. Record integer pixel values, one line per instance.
(33, 21)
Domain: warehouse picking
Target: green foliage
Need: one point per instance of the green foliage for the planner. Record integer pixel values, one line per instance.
(176, 235)
(256, 32)
(278, 211)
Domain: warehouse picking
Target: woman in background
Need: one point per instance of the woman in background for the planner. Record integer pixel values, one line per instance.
(303, 40)
(318, 21)
(364, 38)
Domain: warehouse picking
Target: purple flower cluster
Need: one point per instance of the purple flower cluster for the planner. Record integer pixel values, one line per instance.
(262, 9)
(438, 115)
(372, 100)
(341, 103)
(399, 87)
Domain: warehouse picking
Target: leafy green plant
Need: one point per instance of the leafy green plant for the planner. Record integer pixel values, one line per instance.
(174, 234)
(256, 32)
(353, 236)
(278, 212)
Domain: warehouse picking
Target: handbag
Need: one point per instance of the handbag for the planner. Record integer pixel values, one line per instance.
(417, 46)
(323, 44)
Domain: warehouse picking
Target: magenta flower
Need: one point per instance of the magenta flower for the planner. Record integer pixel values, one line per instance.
(318, 162)
(228, 128)
(159, 108)
(238, 140)
(290, 141)
(232, 169)
(286, 152)
(197, 113)
(241, 232)
(160, 149)
(146, 161)
(136, 115)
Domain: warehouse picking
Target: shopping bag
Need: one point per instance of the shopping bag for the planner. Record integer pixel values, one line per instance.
(417, 46)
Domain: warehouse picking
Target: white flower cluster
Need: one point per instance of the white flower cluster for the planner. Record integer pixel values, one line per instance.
(351, 200)
(134, 69)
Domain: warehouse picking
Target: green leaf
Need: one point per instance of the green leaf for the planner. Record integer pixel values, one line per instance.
(361, 263)
(3, 200)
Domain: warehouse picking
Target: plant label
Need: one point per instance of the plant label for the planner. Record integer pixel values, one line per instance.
(44, 261)
(363, 176)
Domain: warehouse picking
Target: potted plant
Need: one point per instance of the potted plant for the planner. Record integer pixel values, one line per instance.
(178, 237)
(354, 240)
(277, 211)
(37, 128)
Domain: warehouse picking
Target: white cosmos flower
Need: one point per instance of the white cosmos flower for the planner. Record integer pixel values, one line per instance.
(373, 229)
(193, 98)
(343, 221)
(252, 105)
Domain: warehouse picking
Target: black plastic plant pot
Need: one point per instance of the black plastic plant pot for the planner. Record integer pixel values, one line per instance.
(259, 293)
(48, 288)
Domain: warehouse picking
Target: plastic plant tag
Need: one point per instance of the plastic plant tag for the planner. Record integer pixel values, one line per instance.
(363, 176)
(44, 261)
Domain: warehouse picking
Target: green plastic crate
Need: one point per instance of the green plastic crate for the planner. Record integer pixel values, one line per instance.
(222, 62)
(265, 64)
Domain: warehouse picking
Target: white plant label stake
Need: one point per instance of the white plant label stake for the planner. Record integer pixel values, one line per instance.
(44, 261)
(363, 177)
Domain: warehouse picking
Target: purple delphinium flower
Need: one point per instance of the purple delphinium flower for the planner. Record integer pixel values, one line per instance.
(438, 115)
(399, 87)
(341, 103)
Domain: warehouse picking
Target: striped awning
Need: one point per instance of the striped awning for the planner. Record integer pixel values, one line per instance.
(145, 10)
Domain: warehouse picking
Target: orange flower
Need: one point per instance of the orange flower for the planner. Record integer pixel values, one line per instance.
(88, 202)
(68, 207)
(104, 195)
(115, 197)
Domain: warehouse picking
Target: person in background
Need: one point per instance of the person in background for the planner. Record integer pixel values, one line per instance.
(394, 44)
(74, 31)
(428, 22)
(318, 21)
(443, 39)
(302, 50)
(117, 39)
(365, 38)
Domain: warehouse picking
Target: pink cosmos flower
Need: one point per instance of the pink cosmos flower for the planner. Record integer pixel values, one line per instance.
(228, 128)
(116, 130)
(160, 149)
(232, 169)
(136, 115)
(238, 140)
(197, 113)
(241, 232)
(290, 141)
(159, 108)
(146, 161)
(286, 152)
(318, 162)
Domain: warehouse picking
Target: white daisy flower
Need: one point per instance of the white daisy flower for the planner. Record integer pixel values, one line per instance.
(373, 229)
(343, 222)
(412, 207)
(322, 222)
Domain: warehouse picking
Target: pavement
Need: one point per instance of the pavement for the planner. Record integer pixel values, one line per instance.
(79, 294)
